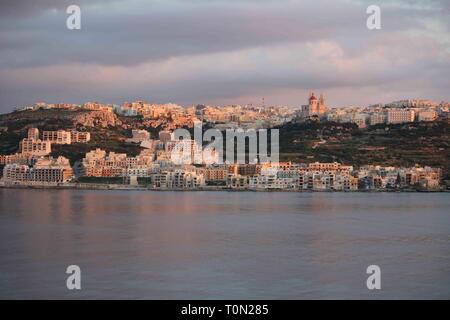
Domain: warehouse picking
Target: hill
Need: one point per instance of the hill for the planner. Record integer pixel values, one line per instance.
(396, 145)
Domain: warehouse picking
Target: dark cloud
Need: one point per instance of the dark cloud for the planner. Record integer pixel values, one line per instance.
(210, 50)
(147, 32)
(17, 9)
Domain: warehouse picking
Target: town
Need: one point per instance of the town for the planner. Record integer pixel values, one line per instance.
(173, 116)
(153, 167)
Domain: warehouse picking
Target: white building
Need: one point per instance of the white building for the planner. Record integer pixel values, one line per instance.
(377, 118)
(46, 170)
(178, 179)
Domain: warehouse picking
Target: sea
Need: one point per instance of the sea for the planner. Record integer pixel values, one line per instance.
(223, 245)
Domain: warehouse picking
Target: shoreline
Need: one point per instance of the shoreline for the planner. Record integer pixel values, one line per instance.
(119, 187)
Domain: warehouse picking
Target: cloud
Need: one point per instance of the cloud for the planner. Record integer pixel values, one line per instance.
(17, 9)
(211, 51)
(257, 71)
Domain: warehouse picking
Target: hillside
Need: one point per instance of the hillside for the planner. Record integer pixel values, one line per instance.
(107, 131)
(398, 145)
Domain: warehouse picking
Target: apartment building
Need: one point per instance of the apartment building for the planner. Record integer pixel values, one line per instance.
(395, 116)
(329, 166)
(45, 170)
(19, 158)
(215, 174)
(178, 179)
(427, 115)
(57, 137)
(35, 147)
(244, 169)
(377, 118)
(378, 177)
(98, 163)
(237, 181)
(16, 172)
(66, 137)
(345, 183)
(80, 137)
(271, 181)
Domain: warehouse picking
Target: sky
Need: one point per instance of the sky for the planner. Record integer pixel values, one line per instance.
(223, 51)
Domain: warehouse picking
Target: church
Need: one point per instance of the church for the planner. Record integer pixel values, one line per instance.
(314, 107)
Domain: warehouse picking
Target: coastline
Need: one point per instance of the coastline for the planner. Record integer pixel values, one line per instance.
(121, 187)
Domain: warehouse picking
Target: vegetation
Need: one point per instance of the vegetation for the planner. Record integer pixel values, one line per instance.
(396, 145)
(103, 139)
(9, 142)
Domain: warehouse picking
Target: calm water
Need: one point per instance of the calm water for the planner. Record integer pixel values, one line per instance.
(221, 245)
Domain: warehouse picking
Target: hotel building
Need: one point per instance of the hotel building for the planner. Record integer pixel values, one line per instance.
(46, 170)
(395, 116)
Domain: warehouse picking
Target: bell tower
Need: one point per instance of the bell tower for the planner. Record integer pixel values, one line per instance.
(322, 108)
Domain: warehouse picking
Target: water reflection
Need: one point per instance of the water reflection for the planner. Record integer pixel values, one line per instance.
(245, 245)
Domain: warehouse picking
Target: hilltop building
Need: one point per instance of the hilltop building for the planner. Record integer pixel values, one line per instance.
(315, 107)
